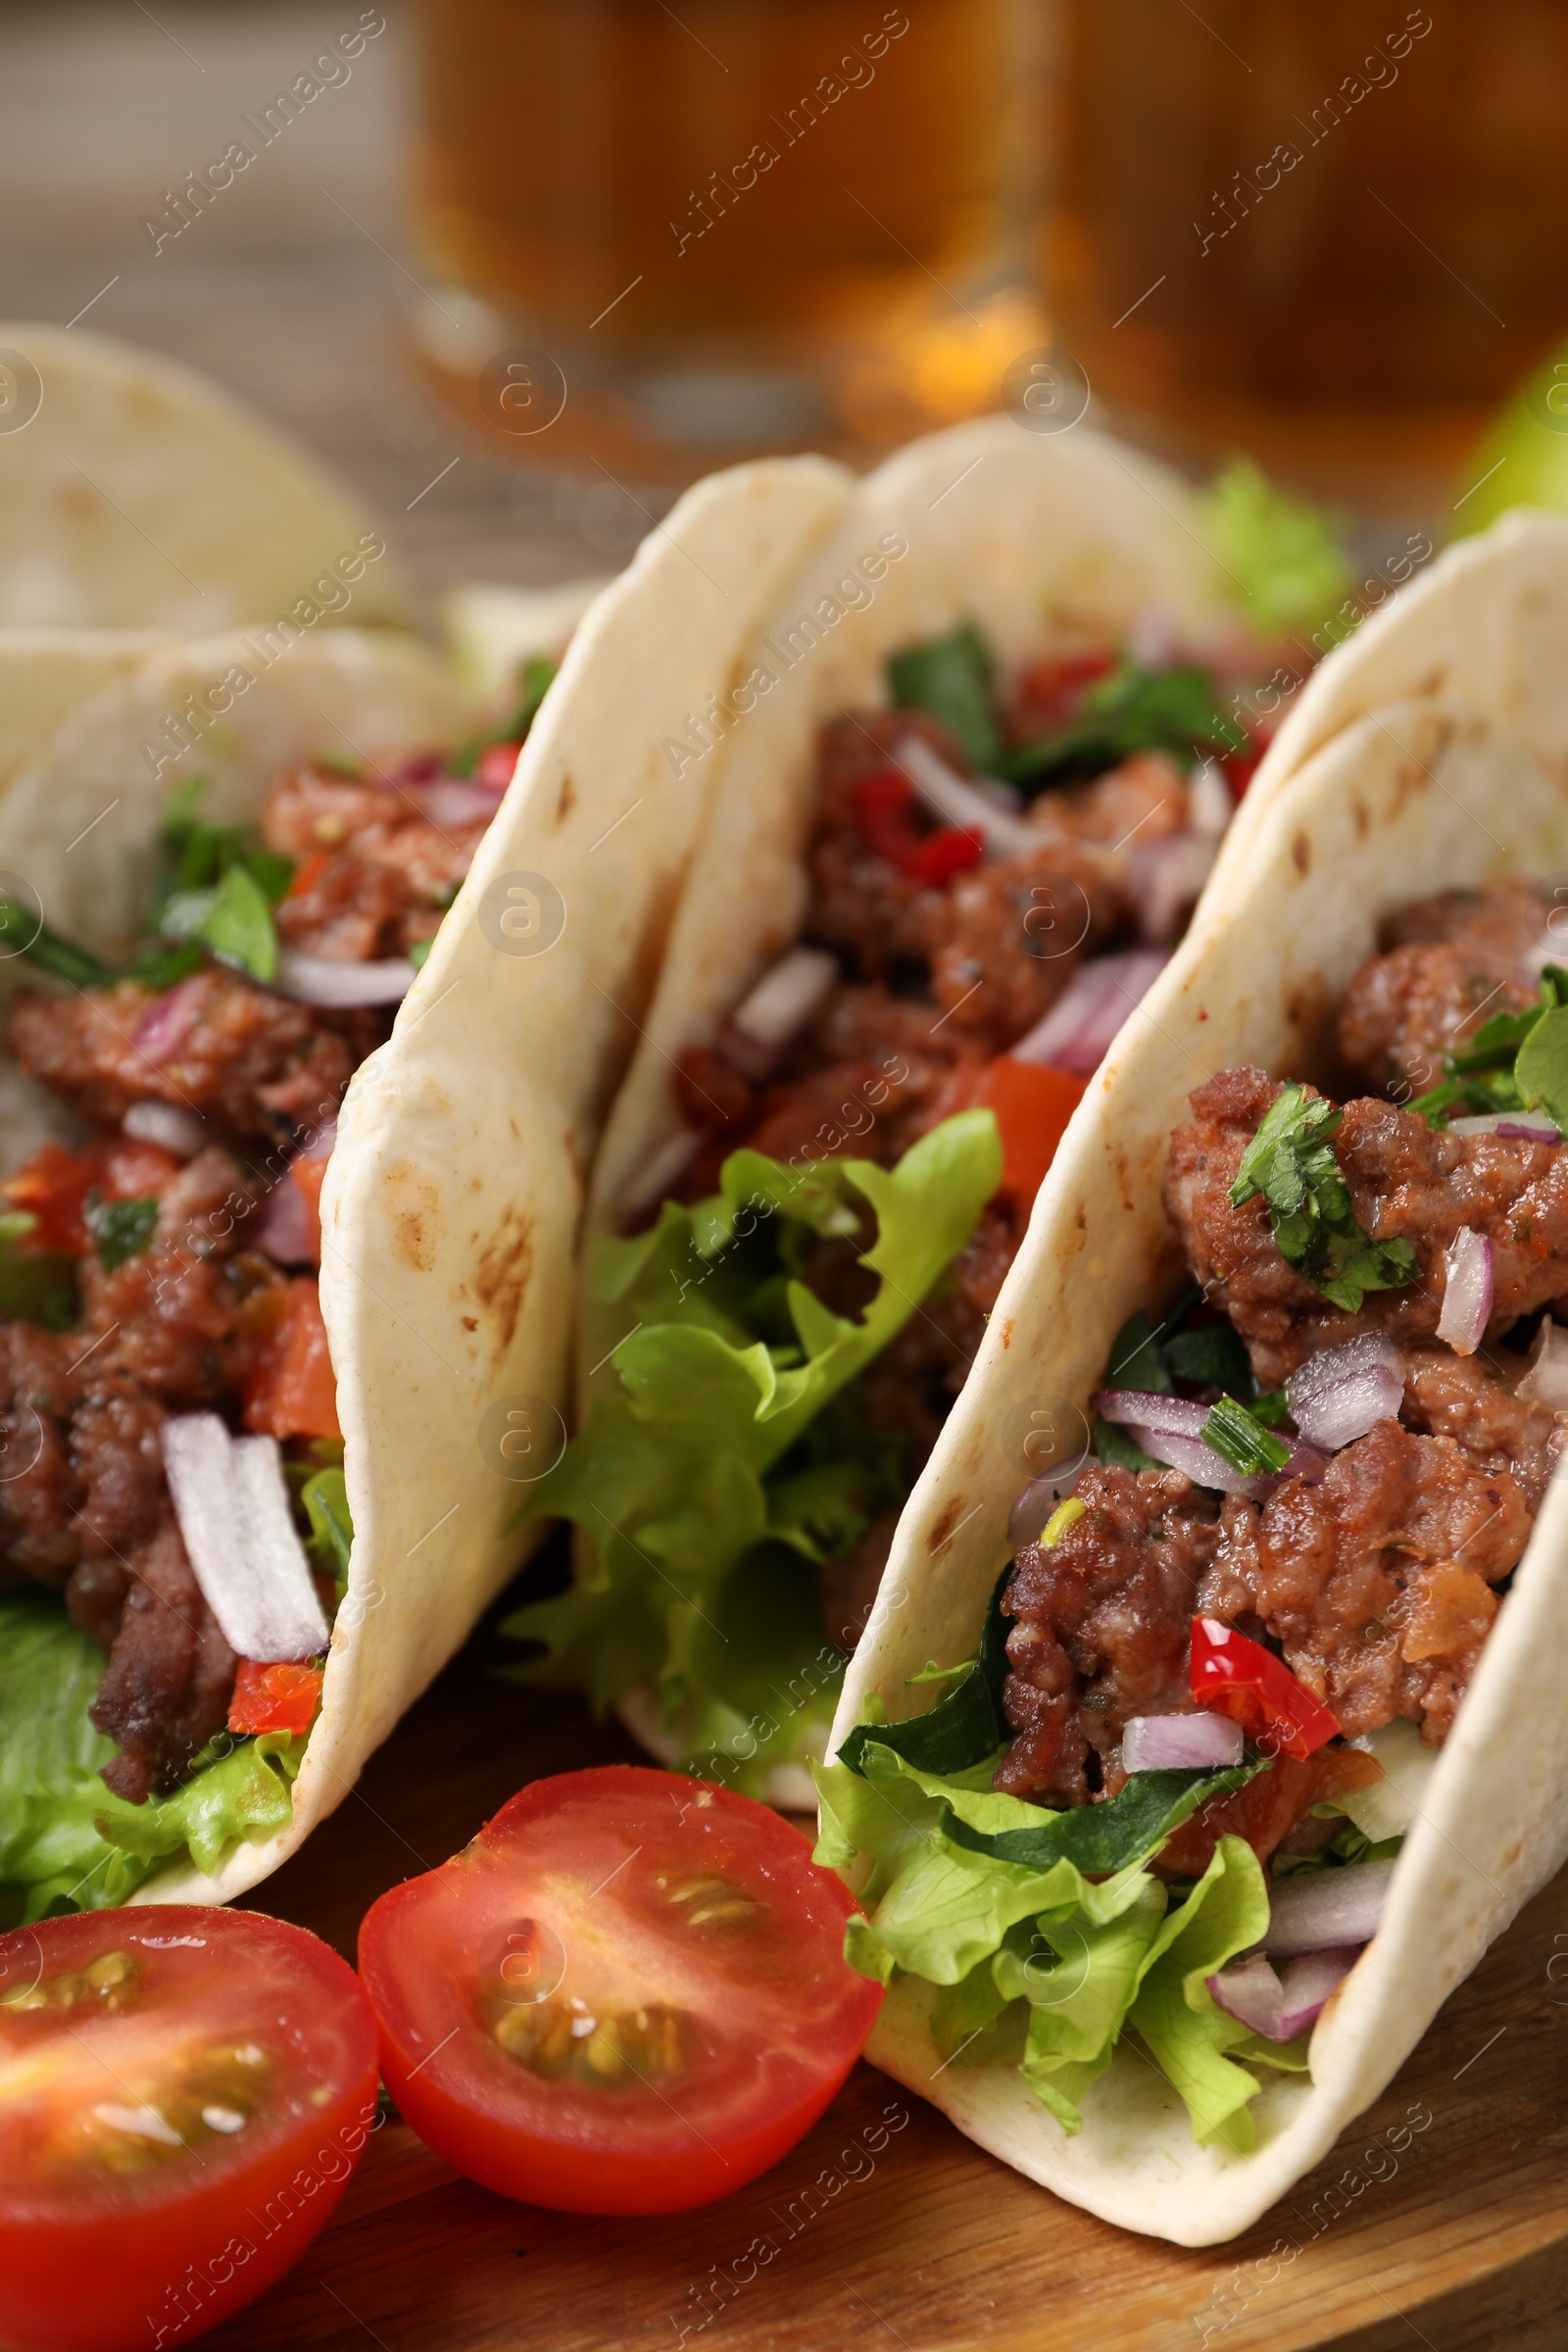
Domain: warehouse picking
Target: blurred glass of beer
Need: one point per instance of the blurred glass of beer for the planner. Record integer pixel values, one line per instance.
(1327, 231)
(729, 223)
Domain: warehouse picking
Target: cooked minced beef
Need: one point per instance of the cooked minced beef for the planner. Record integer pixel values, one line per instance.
(166, 1688)
(375, 871)
(1471, 1398)
(1446, 965)
(1406, 1179)
(259, 1064)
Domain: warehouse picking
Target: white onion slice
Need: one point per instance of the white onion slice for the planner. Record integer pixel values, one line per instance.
(1079, 1029)
(1027, 1518)
(1323, 1909)
(455, 802)
(232, 1506)
(1208, 800)
(1280, 2007)
(182, 1132)
(1338, 1394)
(1158, 1743)
(777, 1010)
(961, 804)
(1546, 1381)
(663, 1166)
(1166, 882)
(1514, 1126)
(322, 980)
(1467, 1295)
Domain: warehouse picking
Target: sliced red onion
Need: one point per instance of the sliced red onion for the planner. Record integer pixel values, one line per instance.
(1249, 1991)
(1323, 1910)
(1201, 1464)
(1040, 1497)
(232, 1506)
(1152, 639)
(319, 1142)
(1209, 805)
(164, 1027)
(452, 801)
(181, 1131)
(322, 980)
(1167, 880)
(287, 1231)
(1338, 1394)
(961, 804)
(1467, 1295)
(1546, 1381)
(1306, 1984)
(421, 767)
(664, 1167)
(1078, 1031)
(777, 1010)
(1280, 2008)
(1516, 1127)
(1170, 1428)
(1158, 1742)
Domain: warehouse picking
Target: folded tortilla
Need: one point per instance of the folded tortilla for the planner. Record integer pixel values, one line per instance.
(1428, 754)
(135, 494)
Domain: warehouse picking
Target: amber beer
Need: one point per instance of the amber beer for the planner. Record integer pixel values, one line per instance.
(1329, 231)
(722, 216)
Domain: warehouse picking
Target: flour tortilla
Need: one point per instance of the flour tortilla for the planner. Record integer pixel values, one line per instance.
(136, 495)
(1044, 541)
(1459, 779)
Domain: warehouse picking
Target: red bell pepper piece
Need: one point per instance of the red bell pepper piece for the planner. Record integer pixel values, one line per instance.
(951, 850)
(886, 811)
(54, 1185)
(1235, 1676)
(274, 1698)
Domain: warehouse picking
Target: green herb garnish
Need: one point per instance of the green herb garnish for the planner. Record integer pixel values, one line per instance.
(37, 1286)
(1132, 709)
(1241, 1438)
(233, 919)
(22, 933)
(1291, 1162)
(952, 678)
(119, 1229)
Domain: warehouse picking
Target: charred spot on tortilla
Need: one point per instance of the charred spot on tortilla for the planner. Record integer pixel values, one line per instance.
(414, 1215)
(1361, 815)
(1301, 853)
(566, 798)
(502, 1276)
(947, 1519)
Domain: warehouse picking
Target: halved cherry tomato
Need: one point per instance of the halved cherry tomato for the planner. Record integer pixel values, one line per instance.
(274, 1698)
(1235, 1676)
(292, 1392)
(627, 1995)
(183, 2094)
(1033, 1104)
(54, 1185)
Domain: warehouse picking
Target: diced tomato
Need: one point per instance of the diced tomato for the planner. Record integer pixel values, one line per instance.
(54, 1185)
(1033, 1104)
(495, 764)
(951, 850)
(274, 1698)
(187, 2092)
(308, 1177)
(292, 1392)
(1049, 692)
(1235, 1676)
(628, 1994)
(884, 811)
(1266, 1809)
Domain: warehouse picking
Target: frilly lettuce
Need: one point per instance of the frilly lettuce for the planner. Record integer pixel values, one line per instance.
(64, 1841)
(722, 1453)
(1288, 557)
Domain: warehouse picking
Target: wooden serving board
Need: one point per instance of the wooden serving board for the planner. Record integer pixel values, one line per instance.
(1441, 2218)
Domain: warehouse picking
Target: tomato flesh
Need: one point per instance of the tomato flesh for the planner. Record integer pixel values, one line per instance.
(292, 1392)
(274, 1698)
(627, 1995)
(183, 2094)
(1032, 1103)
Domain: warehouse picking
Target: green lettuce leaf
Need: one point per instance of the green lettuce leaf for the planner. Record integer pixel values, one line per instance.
(1289, 558)
(65, 1843)
(954, 678)
(722, 1452)
(1174, 2015)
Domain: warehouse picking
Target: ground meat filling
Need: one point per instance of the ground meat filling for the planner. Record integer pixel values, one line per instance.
(1405, 1180)
(1446, 965)
(376, 869)
(1101, 1627)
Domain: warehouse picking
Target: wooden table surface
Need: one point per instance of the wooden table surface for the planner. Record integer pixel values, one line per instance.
(1441, 2217)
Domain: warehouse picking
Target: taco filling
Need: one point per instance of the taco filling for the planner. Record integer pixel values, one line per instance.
(997, 869)
(1166, 1799)
(175, 1529)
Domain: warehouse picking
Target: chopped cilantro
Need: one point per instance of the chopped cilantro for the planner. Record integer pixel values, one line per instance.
(952, 678)
(47, 950)
(1541, 1071)
(1213, 1357)
(233, 919)
(1132, 709)
(419, 953)
(1291, 1162)
(1241, 1438)
(1137, 1359)
(119, 1229)
(1489, 1074)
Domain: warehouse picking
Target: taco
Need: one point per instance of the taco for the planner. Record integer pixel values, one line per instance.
(1248, 1732)
(968, 782)
(247, 1512)
(136, 495)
